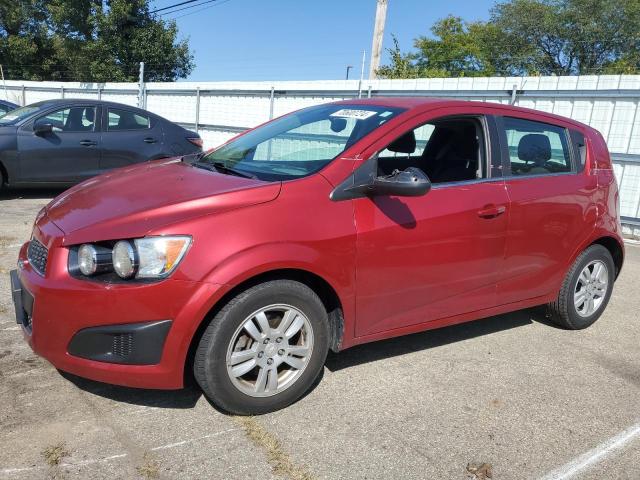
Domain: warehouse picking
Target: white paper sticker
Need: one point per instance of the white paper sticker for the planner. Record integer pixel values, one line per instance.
(351, 113)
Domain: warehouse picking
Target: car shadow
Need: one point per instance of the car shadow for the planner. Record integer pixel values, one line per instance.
(184, 398)
(189, 396)
(371, 352)
(30, 193)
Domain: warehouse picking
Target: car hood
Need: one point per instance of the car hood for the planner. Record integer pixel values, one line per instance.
(130, 202)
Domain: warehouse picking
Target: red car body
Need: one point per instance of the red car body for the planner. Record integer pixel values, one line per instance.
(393, 266)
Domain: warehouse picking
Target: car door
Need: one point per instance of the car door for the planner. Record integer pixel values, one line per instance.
(68, 153)
(129, 136)
(552, 211)
(420, 259)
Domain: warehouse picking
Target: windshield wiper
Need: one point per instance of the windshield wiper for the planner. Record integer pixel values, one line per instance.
(240, 173)
(222, 168)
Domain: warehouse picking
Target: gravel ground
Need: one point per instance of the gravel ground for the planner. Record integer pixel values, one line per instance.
(511, 392)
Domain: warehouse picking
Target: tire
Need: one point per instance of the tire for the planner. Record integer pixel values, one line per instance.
(564, 311)
(227, 339)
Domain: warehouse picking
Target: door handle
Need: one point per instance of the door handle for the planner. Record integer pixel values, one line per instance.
(492, 211)
(88, 143)
(150, 140)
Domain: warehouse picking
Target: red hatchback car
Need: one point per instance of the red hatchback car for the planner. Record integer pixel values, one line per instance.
(329, 227)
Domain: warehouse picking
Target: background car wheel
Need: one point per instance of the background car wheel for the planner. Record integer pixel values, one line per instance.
(586, 289)
(264, 349)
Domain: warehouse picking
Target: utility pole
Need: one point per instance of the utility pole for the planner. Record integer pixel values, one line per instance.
(349, 67)
(141, 86)
(378, 34)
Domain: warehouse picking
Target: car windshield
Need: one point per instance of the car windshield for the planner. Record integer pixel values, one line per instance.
(14, 116)
(299, 144)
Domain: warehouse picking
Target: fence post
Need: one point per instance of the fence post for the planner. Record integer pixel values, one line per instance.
(24, 96)
(369, 92)
(197, 108)
(62, 91)
(271, 102)
(99, 93)
(141, 99)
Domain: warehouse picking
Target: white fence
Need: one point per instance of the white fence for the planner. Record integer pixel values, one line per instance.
(219, 110)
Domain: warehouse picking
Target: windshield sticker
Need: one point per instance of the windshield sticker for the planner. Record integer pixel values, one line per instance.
(351, 113)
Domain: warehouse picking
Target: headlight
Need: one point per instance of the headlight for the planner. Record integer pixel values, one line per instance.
(159, 256)
(87, 259)
(93, 259)
(145, 258)
(124, 259)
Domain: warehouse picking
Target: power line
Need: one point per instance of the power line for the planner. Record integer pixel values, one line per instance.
(188, 7)
(200, 9)
(172, 6)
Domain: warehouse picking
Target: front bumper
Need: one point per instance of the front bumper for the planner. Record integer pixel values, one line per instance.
(63, 310)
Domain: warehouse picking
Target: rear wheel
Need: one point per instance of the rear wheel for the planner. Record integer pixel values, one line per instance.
(586, 289)
(264, 349)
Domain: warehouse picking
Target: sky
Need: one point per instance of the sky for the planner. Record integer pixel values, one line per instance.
(301, 39)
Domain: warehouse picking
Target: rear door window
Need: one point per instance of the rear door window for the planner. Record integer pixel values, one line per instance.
(119, 119)
(536, 148)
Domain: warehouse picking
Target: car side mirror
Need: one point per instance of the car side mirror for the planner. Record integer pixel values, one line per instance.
(42, 128)
(365, 182)
(411, 182)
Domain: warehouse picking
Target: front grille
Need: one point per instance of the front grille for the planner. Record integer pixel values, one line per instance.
(37, 255)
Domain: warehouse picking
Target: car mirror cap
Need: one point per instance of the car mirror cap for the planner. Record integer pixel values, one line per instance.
(42, 128)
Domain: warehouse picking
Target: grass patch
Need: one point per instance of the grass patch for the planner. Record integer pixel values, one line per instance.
(54, 454)
(149, 469)
(281, 463)
(6, 241)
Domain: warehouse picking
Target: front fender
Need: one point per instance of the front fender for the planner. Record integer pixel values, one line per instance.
(265, 258)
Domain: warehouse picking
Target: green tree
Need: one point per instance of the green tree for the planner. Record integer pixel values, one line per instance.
(456, 49)
(89, 41)
(529, 37)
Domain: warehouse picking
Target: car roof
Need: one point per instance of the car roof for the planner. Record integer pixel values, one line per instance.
(428, 103)
(83, 101)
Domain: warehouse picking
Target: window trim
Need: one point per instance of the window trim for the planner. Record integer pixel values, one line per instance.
(134, 112)
(487, 128)
(506, 156)
(96, 123)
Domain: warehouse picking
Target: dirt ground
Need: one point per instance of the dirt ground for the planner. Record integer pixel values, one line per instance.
(510, 397)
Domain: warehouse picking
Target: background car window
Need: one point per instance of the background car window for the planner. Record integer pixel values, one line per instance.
(447, 150)
(536, 148)
(73, 119)
(3, 109)
(127, 120)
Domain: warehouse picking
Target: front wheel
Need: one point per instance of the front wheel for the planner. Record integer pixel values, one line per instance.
(586, 289)
(264, 349)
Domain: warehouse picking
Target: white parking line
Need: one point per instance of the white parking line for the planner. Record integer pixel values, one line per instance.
(91, 461)
(595, 455)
